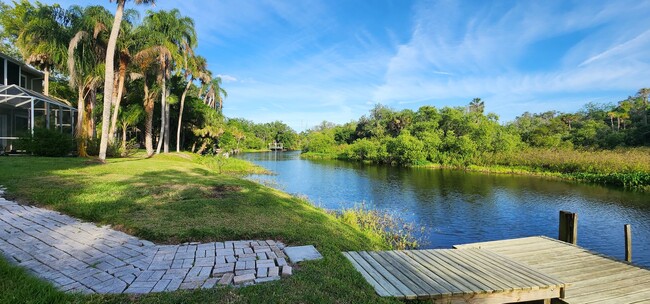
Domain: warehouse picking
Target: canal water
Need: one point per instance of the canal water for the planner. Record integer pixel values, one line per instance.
(457, 207)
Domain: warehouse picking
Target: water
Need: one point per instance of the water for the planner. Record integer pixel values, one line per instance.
(459, 207)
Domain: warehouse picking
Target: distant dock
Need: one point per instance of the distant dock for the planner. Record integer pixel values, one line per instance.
(274, 146)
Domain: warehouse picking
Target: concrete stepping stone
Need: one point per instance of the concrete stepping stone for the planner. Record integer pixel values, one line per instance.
(302, 253)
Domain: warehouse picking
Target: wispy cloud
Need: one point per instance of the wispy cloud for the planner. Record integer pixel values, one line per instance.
(227, 78)
(483, 50)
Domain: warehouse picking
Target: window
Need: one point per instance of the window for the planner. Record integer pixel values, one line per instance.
(13, 73)
(2, 71)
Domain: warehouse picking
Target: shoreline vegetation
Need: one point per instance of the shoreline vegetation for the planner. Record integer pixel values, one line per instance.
(627, 168)
(605, 144)
(181, 197)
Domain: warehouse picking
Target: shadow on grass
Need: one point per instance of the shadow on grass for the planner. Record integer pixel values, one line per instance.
(172, 201)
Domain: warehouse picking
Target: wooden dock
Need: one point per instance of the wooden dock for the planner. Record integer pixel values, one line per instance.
(592, 277)
(453, 276)
(523, 269)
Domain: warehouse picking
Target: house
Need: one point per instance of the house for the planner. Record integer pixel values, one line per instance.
(23, 107)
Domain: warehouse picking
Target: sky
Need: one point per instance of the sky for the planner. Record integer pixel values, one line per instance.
(305, 61)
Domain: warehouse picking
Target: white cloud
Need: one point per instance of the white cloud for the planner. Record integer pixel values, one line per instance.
(481, 53)
(227, 78)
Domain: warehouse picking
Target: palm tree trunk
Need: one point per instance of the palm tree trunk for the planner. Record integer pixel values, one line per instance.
(611, 118)
(148, 125)
(92, 94)
(180, 116)
(108, 78)
(123, 137)
(79, 132)
(619, 123)
(163, 104)
(46, 81)
(167, 133)
(118, 98)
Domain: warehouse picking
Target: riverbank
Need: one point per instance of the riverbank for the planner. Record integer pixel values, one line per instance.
(627, 168)
(180, 198)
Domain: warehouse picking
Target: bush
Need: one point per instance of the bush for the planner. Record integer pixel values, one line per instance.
(46, 142)
(113, 150)
(406, 150)
(392, 230)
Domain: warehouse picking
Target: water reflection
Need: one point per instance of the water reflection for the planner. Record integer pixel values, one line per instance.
(461, 207)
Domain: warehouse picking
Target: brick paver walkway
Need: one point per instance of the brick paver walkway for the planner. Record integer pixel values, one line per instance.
(82, 257)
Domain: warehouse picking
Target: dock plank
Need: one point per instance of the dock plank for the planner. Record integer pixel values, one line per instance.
(404, 290)
(592, 277)
(452, 276)
(378, 286)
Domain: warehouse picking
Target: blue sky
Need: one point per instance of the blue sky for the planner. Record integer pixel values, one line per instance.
(305, 61)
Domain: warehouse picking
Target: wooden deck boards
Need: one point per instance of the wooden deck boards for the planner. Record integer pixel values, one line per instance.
(592, 277)
(453, 276)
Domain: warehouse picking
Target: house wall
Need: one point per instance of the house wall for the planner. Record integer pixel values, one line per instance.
(13, 73)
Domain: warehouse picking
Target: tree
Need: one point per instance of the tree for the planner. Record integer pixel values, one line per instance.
(215, 93)
(109, 74)
(194, 67)
(643, 93)
(476, 106)
(129, 117)
(169, 30)
(85, 68)
(126, 46)
(41, 36)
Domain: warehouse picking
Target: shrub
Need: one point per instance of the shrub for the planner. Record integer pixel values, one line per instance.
(46, 142)
(113, 149)
(364, 149)
(394, 231)
(406, 149)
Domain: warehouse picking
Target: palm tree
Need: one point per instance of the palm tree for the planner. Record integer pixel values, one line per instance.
(146, 61)
(129, 117)
(214, 95)
(476, 106)
(109, 74)
(172, 31)
(643, 93)
(126, 45)
(85, 65)
(195, 67)
(42, 38)
(612, 115)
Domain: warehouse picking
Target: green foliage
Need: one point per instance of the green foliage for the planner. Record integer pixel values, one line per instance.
(113, 150)
(46, 142)
(405, 149)
(319, 142)
(392, 230)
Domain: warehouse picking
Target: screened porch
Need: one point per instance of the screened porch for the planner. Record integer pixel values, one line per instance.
(23, 110)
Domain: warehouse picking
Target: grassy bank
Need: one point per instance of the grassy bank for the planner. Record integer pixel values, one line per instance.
(179, 198)
(627, 168)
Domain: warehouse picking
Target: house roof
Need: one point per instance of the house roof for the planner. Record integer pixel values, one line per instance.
(19, 97)
(23, 66)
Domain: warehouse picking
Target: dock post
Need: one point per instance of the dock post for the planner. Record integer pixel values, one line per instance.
(628, 243)
(568, 227)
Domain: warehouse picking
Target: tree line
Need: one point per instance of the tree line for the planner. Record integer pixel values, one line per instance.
(122, 70)
(461, 136)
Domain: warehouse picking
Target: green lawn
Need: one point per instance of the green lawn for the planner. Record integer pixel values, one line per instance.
(179, 198)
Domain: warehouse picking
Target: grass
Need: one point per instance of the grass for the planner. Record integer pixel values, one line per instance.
(627, 168)
(179, 198)
(624, 167)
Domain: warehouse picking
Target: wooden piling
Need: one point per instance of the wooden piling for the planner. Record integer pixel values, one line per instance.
(568, 230)
(628, 243)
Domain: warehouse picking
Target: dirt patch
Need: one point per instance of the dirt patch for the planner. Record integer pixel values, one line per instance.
(220, 191)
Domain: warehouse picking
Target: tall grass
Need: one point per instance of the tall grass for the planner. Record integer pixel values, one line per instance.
(625, 167)
(392, 230)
